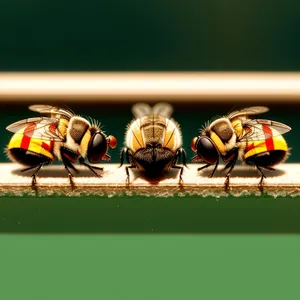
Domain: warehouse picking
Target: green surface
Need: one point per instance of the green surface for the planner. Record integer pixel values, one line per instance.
(149, 267)
(150, 215)
(149, 35)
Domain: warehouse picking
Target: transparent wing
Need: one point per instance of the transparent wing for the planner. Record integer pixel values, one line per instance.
(42, 128)
(259, 129)
(254, 110)
(162, 109)
(53, 111)
(143, 109)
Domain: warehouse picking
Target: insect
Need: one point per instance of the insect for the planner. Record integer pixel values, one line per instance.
(57, 133)
(256, 142)
(153, 141)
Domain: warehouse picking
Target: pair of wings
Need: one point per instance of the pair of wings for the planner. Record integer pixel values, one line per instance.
(255, 129)
(143, 109)
(43, 127)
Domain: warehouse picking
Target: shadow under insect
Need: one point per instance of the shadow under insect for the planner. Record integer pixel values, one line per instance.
(55, 173)
(240, 171)
(154, 179)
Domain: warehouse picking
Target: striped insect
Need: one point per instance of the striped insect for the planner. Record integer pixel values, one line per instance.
(57, 133)
(153, 142)
(256, 142)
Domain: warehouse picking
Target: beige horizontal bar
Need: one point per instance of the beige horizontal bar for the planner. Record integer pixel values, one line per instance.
(150, 86)
(244, 180)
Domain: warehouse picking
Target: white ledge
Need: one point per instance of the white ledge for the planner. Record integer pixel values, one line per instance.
(142, 85)
(53, 179)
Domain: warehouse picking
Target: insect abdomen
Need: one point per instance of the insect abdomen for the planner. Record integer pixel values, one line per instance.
(270, 144)
(29, 151)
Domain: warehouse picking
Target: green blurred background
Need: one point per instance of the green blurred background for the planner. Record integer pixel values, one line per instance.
(121, 264)
(149, 35)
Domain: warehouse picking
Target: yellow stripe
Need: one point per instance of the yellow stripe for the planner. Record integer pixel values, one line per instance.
(218, 143)
(15, 141)
(62, 126)
(170, 136)
(260, 146)
(280, 143)
(35, 145)
(237, 126)
(137, 140)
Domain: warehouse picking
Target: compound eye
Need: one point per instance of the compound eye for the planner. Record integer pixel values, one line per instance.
(207, 150)
(97, 147)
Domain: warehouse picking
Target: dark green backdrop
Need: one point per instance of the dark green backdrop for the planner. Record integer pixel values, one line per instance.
(149, 35)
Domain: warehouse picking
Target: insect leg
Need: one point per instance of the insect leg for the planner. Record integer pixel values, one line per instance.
(181, 153)
(131, 160)
(204, 167)
(127, 172)
(81, 160)
(37, 169)
(268, 168)
(68, 165)
(214, 170)
(123, 153)
(262, 177)
(230, 165)
(208, 165)
(181, 172)
(27, 169)
(33, 176)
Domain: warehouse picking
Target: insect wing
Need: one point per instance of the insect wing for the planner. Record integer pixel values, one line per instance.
(53, 111)
(259, 129)
(254, 110)
(42, 128)
(140, 110)
(162, 109)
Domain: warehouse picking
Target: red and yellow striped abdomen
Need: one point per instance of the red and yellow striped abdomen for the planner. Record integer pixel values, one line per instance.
(276, 142)
(38, 146)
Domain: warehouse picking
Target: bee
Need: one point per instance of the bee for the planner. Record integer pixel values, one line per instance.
(256, 142)
(153, 142)
(57, 133)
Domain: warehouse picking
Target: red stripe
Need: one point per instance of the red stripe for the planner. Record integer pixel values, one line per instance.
(47, 147)
(26, 139)
(250, 147)
(269, 139)
(25, 142)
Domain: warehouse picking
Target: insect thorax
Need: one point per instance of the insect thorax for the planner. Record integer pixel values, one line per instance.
(153, 129)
